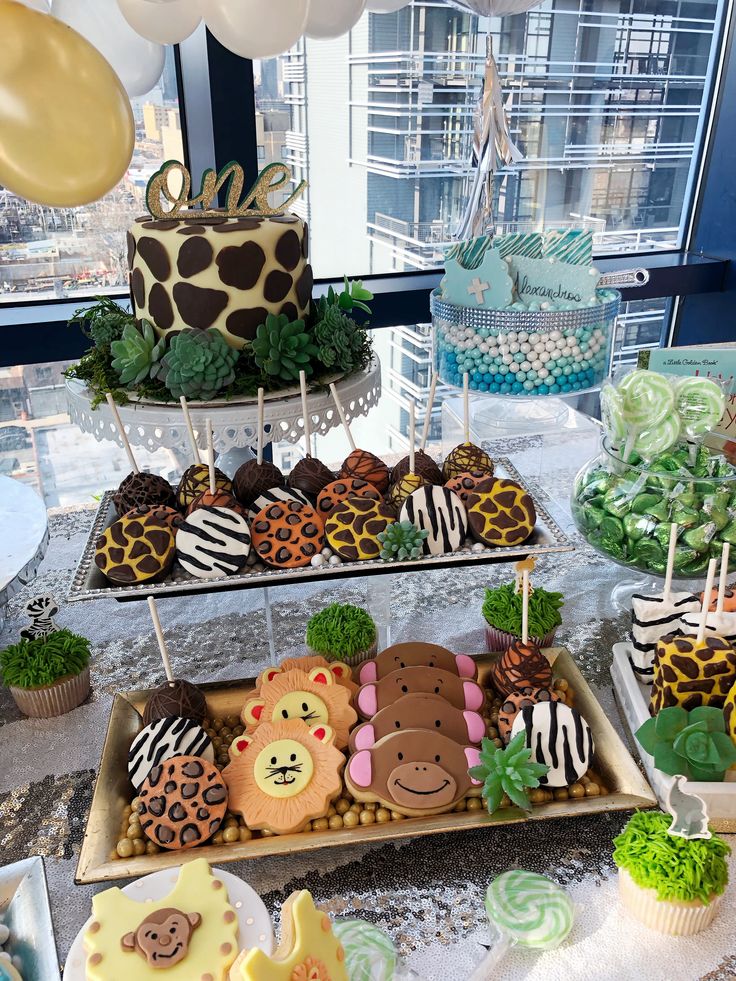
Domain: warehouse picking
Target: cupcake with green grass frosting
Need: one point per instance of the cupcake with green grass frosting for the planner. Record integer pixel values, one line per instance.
(342, 632)
(671, 884)
(502, 612)
(49, 675)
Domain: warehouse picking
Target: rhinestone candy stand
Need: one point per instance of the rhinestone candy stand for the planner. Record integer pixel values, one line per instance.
(524, 352)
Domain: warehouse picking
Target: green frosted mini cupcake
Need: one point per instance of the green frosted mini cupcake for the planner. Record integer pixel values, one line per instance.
(342, 632)
(502, 612)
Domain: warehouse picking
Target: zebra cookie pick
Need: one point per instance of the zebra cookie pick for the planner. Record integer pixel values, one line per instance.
(489, 285)
(40, 610)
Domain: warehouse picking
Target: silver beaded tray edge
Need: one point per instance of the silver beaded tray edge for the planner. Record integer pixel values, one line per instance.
(89, 583)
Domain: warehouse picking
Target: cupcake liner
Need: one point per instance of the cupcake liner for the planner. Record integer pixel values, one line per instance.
(57, 699)
(353, 660)
(500, 640)
(679, 919)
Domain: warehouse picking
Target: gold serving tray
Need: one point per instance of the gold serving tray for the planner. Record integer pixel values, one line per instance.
(628, 788)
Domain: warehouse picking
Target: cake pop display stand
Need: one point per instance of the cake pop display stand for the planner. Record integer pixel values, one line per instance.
(156, 425)
(24, 537)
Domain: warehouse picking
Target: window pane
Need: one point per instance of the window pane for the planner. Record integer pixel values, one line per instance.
(54, 253)
(604, 104)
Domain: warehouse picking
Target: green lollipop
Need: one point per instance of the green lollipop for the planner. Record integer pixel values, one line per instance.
(700, 404)
(612, 415)
(369, 953)
(657, 438)
(647, 398)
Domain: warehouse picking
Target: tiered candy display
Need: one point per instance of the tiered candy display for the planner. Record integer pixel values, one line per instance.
(653, 471)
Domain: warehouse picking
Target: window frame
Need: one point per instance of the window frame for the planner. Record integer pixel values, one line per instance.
(216, 126)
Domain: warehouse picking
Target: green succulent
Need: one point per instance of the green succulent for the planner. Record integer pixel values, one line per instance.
(694, 744)
(283, 349)
(342, 344)
(43, 660)
(352, 297)
(507, 771)
(103, 322)
(198, 364)
(136, 353)
(401, 540)
(340, 630)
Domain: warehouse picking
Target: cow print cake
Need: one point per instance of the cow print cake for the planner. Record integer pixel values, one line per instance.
(228, 273)
(441, 513)
(182, 802)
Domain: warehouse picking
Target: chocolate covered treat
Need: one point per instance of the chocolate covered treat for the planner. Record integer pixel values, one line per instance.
(424, 466)
(405, 486)
(134, 549)
(276, 495)
(142, 489)
(516, 701)
(196, 481)
(465, 458)
(521, 666)
(338, 491)
(353, 527)
(310, 476)
(559, 737)
(441, 513)
(163, 740)
(213, 542)
(220, 499)
(177, 697)
(161, 513)
(691, 673)
(253, 479)
(463, 484)
(287, 534)
(500, 512)
(364, 465)
(182, 802)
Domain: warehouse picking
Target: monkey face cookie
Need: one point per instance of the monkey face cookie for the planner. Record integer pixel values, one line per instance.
(420, 711)
(196, 481)
(365, 465)
(284, 775)
(516, 701)
(500, 512)
(191, 932)
(338, 491)
(312, 698)
(135, 548)
(142, 490)
(466, 458)
(415, 772)
(461, 693)
(440, 513)
(521, 666)
(354, 526)
(182, 802)
(287, 535)
(415, 654)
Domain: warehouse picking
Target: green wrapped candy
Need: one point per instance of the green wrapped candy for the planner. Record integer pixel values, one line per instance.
(660, 511)
(617, 502)
(700, 538)
(638, 526)
(610, 527)
(717, 516)
(599, 483)
(685, 517)
(728, 534)
(592, 517)
(683, 557)
(643, 503)
(697, 566)
(649, 553)
(661, 534)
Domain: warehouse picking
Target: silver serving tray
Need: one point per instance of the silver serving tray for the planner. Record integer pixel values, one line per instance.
(89, 583)
(25, 910)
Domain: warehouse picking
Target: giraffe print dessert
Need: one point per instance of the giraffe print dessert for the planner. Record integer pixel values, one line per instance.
(689, 673)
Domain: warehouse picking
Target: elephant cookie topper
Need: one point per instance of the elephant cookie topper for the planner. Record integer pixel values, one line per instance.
(254, 204)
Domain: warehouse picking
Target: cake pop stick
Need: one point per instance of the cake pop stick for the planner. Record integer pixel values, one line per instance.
(123, 436)
(670, 563)
(700, 636)
(526, 909)
(162, 648)
(309, 476)
(428, 415)
(210, 455)
(466, 408)
(196, 457)
(412, 435)
(525, 607)
(255, 477)
(305, 412)
(725, 555)
(261, 426)
(343, 418)
(411, 481)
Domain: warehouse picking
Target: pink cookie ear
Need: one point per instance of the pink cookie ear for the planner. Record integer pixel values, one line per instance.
(476, 726)
(365, 737)
(368, 701)
(368, 673)
(465, 666)
(472, 755)
(360, 768)
(473, 695)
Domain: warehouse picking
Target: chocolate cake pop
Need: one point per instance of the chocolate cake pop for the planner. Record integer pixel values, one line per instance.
(424, 466)
(196, 480)
(178, 697)
(405, 486)
(364, 465)
(466, 458)
(142, 490)
(220, 499)
(253, 479)
(310, 476)
(521, 666)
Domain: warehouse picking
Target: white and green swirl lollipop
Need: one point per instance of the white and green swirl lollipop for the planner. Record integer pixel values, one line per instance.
(700, 404)
(369, 953)
(647, 398)
(528, 909)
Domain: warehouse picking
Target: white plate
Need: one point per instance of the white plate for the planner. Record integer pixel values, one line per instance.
(254, 922)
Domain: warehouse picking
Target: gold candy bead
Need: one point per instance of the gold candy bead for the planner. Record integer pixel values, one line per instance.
(320, 824)
(367, 817)
(383, 815)
(125, 848)
(335, 822)
(350, 819)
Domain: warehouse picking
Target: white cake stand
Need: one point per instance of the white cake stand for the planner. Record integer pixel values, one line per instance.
(24, 536)
(158, 425)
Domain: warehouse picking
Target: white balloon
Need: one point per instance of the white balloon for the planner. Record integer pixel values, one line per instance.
(385, 6)
(163, 21)
(256, 28)
(137, 62)
(331, 18)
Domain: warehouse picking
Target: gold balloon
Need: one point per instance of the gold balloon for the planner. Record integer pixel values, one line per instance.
(66, 123)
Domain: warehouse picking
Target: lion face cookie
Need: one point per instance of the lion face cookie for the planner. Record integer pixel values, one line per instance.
(313, 698)
(420, 711)
(284, 775)
(460, 692)
(415, 772)
(415, 654)
(341, 672)
(287, 534)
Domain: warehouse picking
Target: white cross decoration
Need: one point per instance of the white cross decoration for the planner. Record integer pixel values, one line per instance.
(478, 289)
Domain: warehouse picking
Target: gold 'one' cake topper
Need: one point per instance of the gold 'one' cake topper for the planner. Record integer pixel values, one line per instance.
(255, 202)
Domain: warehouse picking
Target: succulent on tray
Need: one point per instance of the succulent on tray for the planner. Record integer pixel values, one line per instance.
(694, 744)
(508, 771)
(401, 540)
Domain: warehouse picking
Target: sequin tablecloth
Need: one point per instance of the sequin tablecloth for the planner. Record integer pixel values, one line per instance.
(427, 894)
